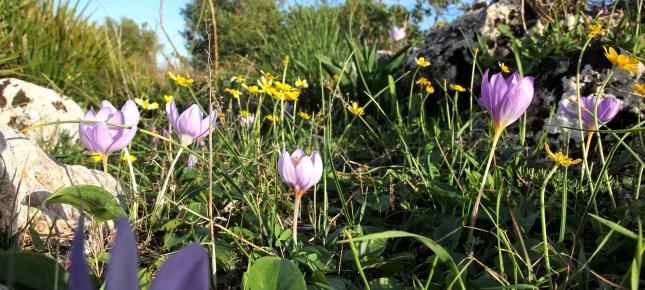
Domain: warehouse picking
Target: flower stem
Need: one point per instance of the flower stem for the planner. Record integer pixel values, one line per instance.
(294, 224)
(543, 222)
(135, 190)
(473, 216)
(104, 158)
(164, 187)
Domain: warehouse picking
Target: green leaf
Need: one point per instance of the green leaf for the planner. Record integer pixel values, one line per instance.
(35, 239)
(22, 270)
(614, 226)
(273, 273)
(436, 248)
(97, 202)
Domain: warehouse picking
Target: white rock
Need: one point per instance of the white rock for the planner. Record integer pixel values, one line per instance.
(24, 104)
(29, 176)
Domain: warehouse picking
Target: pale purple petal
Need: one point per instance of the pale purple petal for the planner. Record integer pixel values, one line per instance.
(122, 269)
(187, 269)
(506, 99)
(518, 99)
(79, 278)
(608, 109)
(189, 122)
(171, 113)
(298, 153)
(205, 121)
(303, 173)
(107, 106)
(484, 100)
(122, 139)
(287, 168)
(101, 138)
(131, 113)
(85, 133)
(316, 172)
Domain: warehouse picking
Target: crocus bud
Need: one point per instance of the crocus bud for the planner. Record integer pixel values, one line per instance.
(190, 125)
(608, 107)
(300, 171)
(505, 99)
(397, 33)
(104, 139)
(192, 161)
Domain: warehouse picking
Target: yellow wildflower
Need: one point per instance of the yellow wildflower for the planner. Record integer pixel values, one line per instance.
(268, 75)
(291, 95)
(272, 118)
(302, 83)
(639, 88)
(168, 99)
(593, 30)
(146, 105)
(95, 157)
(304, 115)
(356, 110)
(234, 93)
(423, 82)
(441, 24)
(422, 62)
(180, 80)
(252, 89)
(622, 61)
(503, 67)
(456, 87)
(238, 79)
(560, 158)
(283, 87)
(265, 84)
(245, 114)
(285, 60)
(132, 158)
(429, 89)
(221, 115)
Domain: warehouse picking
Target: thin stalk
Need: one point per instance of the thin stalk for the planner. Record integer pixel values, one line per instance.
(605, 175)
(358, 263)
(473, 216)
(294, 224)
(164, 187)
(104, 158)
(516, 228)
(434, 266)
(135, 208)
(543, 222)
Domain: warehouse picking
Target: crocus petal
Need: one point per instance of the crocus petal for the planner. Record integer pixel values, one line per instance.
(608, 109)
(568, 111)
(187, 269)
(189, 122)
(101, 138)
(107, 106)
(130, 113)
(316, 172)
(517, 100)
(85, 133)
(122, 139)
(171, 113)
(78, 271)
(303, 173)
(298, 154)
(484, 100)
(287, 168)
(122, 269)
(205, 121)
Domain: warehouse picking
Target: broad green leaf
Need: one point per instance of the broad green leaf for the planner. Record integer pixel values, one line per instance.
(614, 226)
(273, 273)
(22, 270)
(436, 248)
(96, 201)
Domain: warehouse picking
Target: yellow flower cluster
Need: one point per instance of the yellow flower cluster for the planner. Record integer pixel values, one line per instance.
(304, 115)
(428, 85)
(356, 110)
(422, 62)
(146, 104)
(180, 80)
(594, 30)
(272, 118)
(560, 158)
(234, 93)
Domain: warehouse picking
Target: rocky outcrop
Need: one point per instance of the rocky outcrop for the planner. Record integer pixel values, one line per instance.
(24, 104)
(29, 176)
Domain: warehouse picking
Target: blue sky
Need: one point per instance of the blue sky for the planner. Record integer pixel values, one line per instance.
(147, 11)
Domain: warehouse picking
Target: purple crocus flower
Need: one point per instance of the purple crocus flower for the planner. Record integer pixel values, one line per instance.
(246, 118)
(104, 139)
(505, 99)
(190, 125)
(300, 171)
(192, 161)
(397, 33)
(187, 269)
(608, 107)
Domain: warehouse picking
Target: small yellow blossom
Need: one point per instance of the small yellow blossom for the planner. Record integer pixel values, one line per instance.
(180, 80)
(221, 115)
(356, 110)
(95, 157)
(503, 67)
(622, 61)
(560, 158)
(234, 93)
(238, 79)
(268, 75)
(146, 104)
(593, 30)
(429, 89)
(285, 60)
(422, 62)
(272, 118)
(252, 89)
(265, 85)
(476, 50)
(304, 115)
(132, 158)
(302, 83)
(639, 88)
(168, 99)
(423, 82)
(441, 24)
(456, 87)
(245, 114)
